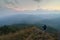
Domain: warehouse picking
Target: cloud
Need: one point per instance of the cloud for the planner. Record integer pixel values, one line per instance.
(21, 4)
(37, 0)
(30, 4)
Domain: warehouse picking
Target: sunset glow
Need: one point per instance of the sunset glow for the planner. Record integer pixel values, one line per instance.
(21, 5)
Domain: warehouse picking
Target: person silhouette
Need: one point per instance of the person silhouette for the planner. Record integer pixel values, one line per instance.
(44, 27)
(44, 31)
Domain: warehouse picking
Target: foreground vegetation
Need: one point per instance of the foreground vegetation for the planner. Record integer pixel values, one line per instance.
(26, 32)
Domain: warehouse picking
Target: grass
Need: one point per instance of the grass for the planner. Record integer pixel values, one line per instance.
(32, 33)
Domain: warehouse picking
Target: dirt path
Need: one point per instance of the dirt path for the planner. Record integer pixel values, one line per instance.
(29, 36)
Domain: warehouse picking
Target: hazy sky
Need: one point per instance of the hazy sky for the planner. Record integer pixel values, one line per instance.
(21, 5)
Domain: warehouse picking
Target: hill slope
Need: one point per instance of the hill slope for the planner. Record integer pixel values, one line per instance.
(30, 33)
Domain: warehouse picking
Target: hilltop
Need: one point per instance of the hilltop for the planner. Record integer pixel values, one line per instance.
(25, 32)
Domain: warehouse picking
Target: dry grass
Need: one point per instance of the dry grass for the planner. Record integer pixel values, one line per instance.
(28, 34)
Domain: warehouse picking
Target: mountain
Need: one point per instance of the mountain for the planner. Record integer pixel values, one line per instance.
(25, 32)
(50, 18)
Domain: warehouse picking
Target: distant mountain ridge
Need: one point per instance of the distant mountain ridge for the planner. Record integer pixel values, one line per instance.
(47, 17)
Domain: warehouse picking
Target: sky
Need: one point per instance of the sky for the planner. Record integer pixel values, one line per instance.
(45, 8)
(21, 5)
